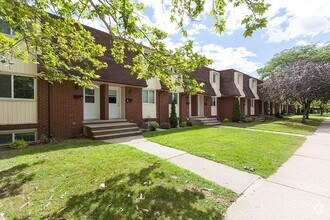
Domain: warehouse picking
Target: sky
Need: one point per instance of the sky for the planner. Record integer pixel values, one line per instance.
(290, 23)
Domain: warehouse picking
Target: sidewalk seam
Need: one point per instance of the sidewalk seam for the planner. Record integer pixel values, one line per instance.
(280, 184)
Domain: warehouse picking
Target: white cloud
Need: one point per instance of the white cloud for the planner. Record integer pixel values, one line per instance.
(161, 15)
(230, 57)
(287, 19)
(298, 19)
(196, 29)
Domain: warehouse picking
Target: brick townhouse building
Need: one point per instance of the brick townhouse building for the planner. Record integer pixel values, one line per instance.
(30, 107)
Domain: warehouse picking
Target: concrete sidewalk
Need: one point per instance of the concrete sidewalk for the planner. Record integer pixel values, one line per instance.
(300, 189)
(223, 175)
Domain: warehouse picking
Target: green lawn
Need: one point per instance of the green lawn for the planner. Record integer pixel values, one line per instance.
(288, 124)
(63, 181)
(264, 152)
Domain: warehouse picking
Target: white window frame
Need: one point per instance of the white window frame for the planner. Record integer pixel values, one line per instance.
(148, 91)
(11, 29)
(12, 87)
(252, 103)
(14, 132)
(214, 78)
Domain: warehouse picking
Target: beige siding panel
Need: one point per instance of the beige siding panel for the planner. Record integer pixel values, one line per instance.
(20, 67)
(18, 112)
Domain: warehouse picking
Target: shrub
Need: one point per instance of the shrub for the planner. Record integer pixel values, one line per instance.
(173, 117)
(165, 125)
(225, 120)
(18, 144)
(153, 126)
(189, 123)
(237, 111)
(248, 120)
(183, 124)
(44, 139)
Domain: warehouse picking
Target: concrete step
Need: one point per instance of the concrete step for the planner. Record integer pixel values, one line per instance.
(212, 124)
(105, 126)
(114, 131)
(89, 122)
(117, 135)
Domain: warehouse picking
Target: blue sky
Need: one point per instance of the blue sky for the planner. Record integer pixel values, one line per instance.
(291, 23)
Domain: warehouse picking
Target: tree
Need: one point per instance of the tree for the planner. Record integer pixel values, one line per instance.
(304, 81)
(286, 58)
(237, 115)
(173, 117)
(321, 104)
(69, 51)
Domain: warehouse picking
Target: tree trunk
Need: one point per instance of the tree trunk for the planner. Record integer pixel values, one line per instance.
(306, 112)
(321, 111)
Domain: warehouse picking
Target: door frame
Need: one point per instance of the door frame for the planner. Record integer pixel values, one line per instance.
(96, 104)
(119, 102)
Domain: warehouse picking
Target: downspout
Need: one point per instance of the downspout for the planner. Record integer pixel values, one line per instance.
(159, 108)
(49, 127)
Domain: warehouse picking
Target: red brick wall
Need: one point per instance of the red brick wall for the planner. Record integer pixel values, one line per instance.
(66, 111)
(162, 106)
(18, 126)
(207, 107)
(241, 101)
(225, 107)
(277, 108)
(194, 105)
(133, 110)
(104, 102)
(257, 107)
(184, 107)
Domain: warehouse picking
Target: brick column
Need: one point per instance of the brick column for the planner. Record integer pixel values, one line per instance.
(104, 102)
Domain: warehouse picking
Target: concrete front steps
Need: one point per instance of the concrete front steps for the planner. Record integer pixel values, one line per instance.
(109, 129)
(198, 120)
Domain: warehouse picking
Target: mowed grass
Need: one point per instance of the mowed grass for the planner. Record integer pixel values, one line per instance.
(238, 148)
(288, 124)
(63, 181)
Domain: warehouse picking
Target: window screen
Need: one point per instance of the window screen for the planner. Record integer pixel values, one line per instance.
(6, 138)
(214, 101)
(5, 86)
(28, 137)
(23, 87)
(89, 95)
(112, 96)
(173, 97)
(145, 96)
(4, 27)
(151, 96)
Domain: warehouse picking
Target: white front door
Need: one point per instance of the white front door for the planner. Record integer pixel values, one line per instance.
(114, 102)
(91, 103)
(200, 105)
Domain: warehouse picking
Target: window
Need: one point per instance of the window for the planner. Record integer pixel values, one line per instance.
(28, 137)
(113, 96)
(214, 78)
(21, 88)
(214, 101)
(173, 97)
(9, 137)
(6, 139)
(89, 95)
(237, 78)
(148, 96)
(5, 86)
(252, 102)
(5, 28)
